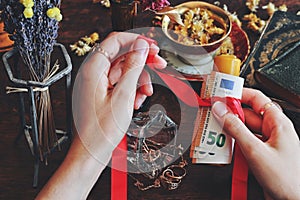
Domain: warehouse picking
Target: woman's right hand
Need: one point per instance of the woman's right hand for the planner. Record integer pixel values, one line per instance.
(275, 158)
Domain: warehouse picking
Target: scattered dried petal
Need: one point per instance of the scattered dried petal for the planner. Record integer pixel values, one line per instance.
(85, 44)
(252, 5)
(233, 16)
(254, 22)
(283, 8)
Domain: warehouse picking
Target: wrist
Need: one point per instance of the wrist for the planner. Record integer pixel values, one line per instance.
(91, 144)
(81, 153)
(81, 169)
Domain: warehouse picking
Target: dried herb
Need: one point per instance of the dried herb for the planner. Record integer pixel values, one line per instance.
(34, 36)
(33, 26)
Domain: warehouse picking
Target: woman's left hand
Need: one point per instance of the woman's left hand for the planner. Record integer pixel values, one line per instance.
(106, 93)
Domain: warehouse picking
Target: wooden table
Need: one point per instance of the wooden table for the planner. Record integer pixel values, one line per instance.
(82, 18)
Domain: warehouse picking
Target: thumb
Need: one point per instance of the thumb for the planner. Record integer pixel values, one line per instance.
(233, 126)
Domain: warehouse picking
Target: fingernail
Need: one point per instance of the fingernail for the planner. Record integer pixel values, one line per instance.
(154, 47)
(138, 103)
(141, 46)
(149, 89)
(219, 109)
(162, 61)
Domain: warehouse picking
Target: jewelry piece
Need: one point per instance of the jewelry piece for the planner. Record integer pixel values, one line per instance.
(150, 153)
(170, 178)
(97, 48)
(169, 183)
(175, 172)
(267, 106)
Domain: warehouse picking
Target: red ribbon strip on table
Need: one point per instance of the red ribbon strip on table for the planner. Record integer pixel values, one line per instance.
(184, 92)
(119, 171)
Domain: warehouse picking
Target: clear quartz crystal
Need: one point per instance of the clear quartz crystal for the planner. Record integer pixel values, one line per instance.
(151, 143)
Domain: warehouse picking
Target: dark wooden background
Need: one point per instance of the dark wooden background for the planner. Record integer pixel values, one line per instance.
(82, 17)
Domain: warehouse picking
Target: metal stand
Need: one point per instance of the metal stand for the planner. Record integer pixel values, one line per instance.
(32, 139)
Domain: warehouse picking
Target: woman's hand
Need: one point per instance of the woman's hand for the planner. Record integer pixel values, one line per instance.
(274, 158)
(105, 94)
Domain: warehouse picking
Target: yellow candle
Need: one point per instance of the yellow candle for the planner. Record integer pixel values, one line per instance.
(228, 64)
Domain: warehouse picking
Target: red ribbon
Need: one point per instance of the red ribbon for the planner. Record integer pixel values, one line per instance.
(187, 95)
(119, 171)
(239, 175)
(182, 90)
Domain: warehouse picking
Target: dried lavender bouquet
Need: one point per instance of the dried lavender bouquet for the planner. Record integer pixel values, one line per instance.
(33, 26)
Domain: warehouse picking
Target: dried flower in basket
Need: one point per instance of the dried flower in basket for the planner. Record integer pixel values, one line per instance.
(33, 26)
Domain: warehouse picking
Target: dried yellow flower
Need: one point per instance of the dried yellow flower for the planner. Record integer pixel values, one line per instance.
(85, 44)
(283, 8)
(271, 8)
(86, 48)
(91, 39)
(28, 12)
(73, 47)
(50, 13)
(252, 5)
(254, 22)
(27, 3)
(94, 37)
(54, 13)
(58, 17)
(80, 52)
